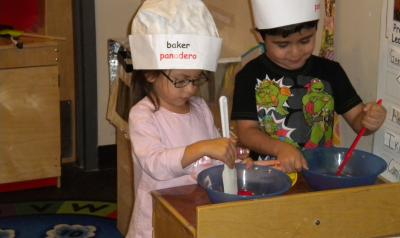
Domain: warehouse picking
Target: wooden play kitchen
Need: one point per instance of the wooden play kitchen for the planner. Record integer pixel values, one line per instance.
(368, 211)
(29, 115)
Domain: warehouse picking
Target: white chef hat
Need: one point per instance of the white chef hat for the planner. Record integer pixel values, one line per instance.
(174, 34)
(269, 14)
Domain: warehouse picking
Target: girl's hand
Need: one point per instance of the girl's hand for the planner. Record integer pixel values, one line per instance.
(242, 153)
(374, 116)
(290, 158)
(222, 149)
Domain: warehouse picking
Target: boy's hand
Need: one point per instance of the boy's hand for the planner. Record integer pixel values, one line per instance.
(273, 163)
(249, 162)
(290, 158)
(374, 116)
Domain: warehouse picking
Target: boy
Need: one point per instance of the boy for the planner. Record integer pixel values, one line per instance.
(284, 100)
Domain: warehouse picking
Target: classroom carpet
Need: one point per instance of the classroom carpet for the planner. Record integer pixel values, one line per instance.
(59, 219)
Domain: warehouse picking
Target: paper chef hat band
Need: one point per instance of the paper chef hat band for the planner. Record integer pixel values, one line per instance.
(174, 34)
(175, 51)
(269, 14)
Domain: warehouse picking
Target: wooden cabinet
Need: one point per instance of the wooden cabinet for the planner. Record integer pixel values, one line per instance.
(29, 114)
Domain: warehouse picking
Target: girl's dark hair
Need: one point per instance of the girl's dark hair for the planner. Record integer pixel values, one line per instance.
(141, 87)
(285, 31)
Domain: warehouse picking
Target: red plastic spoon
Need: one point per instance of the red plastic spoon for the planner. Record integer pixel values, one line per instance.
(353, 146)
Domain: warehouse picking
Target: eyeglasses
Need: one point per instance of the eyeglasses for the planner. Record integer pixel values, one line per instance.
(180, 83)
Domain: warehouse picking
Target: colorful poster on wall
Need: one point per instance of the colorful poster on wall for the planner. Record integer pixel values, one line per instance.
(396, 10)
(387, 139)
(328, 51)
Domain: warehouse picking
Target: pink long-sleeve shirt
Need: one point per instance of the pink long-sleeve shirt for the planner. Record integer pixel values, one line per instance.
(158, 142)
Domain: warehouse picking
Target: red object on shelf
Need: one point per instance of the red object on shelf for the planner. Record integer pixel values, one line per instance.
(24, 15)
(38, 183)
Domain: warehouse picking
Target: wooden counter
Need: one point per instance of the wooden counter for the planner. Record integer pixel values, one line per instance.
(369, 211)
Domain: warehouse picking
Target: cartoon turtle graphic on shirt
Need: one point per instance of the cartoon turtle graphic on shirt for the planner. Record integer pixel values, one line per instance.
(270, 94)
(318, 108)
(276, 130)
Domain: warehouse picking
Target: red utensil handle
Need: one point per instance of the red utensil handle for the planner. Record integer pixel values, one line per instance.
(350, 152)
(353, 146)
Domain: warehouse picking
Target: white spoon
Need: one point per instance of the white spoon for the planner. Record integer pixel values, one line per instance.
(229, 176)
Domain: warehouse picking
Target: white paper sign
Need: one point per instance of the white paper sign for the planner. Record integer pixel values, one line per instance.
(175, 51)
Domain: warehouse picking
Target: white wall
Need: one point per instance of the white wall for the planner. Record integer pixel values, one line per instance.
(357, 48)
(112, 21)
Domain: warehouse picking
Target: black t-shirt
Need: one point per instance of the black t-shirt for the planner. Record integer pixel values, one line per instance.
(294, 106)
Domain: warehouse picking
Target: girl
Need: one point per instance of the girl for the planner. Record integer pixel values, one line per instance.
(173, 137)
(172, 131)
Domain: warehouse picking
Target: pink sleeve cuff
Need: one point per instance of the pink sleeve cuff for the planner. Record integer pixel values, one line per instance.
(174, 157)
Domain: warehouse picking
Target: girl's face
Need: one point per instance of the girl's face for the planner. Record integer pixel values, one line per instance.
(171, 97)
(293, 51)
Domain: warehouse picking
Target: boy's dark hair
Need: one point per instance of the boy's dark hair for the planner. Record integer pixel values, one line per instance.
(141, 87)
(285, 31)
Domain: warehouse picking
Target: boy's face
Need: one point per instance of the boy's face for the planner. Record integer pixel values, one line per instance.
(291, 52)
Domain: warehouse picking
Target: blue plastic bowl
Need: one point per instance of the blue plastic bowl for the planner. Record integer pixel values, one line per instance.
(263, 181)
(362, 169)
